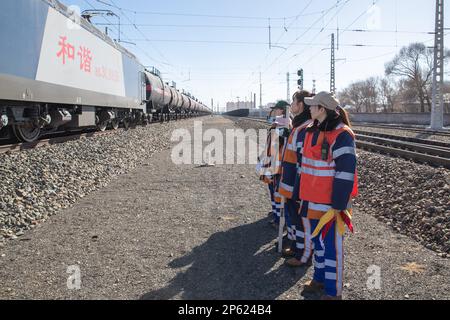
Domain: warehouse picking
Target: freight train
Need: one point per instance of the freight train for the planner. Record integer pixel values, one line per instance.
(58, 72)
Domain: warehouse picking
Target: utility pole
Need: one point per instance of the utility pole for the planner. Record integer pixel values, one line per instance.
(314, 87)
(288, 99)
(333, 67)
(254, 101)
(437, 110)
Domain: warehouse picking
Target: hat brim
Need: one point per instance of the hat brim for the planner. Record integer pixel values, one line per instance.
(311, 102)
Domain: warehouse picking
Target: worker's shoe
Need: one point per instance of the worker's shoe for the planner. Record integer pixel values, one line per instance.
(313, 287)
(295, 263)
(327, 297)
(288, 252)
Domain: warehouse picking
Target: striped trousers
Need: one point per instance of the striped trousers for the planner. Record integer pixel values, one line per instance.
(328, 259)
(304, 244)
(292, 221)
(276, 206)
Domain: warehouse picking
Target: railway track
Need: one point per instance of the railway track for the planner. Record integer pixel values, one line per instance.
(445, 145)
(434, 153)
(16, 147)
(61, 137)
(401, 127)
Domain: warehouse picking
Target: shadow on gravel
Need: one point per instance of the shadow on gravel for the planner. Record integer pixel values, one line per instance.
(231, 266)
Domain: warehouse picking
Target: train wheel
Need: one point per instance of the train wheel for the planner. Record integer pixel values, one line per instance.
(115, 124)
(102, 126)
(26, 132)
(126, 123)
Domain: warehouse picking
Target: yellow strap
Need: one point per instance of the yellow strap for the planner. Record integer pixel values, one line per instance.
(329, 216)
(324, 220)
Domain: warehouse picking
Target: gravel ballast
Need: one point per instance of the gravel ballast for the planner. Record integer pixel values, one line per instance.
(411, 198)
(37, 183)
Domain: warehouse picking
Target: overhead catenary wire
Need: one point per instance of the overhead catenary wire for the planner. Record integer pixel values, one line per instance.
(297, 38)
(276, 26)
(346, 29)
(290, 45)
(263, 27)
(263, 43)
(144, 52)
(138, 12)
(139, 30)
(324, 13)
(371, 58)
(166, 62)
(121, 32)
(337, 13)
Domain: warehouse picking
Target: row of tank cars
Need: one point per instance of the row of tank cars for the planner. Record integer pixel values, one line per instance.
(58, 73)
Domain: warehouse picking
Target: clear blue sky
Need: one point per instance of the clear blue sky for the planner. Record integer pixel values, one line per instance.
(216, 48)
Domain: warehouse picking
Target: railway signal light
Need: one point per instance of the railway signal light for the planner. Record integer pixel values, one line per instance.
(300, 80)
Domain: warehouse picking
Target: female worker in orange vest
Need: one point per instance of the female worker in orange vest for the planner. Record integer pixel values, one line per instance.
(287, 186)
(328, 182)
(271, 164)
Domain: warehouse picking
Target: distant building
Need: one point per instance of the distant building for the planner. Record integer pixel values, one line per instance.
(239, 105)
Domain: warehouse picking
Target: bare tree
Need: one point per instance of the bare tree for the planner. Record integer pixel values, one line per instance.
(346, 99)
(407, 94)
(362, 95)
(352, 96)
(388, 94)
(446, 91)
(414, 63)
(369, 90)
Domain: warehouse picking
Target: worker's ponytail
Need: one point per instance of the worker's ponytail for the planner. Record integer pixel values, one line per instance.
(343, 115)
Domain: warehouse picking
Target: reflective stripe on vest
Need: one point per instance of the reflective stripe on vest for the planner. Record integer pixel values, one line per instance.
(317, 175)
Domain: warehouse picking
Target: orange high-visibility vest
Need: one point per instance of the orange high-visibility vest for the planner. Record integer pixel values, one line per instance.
(271, 164)
(276, 152)
(290, 156)
(317, 175)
